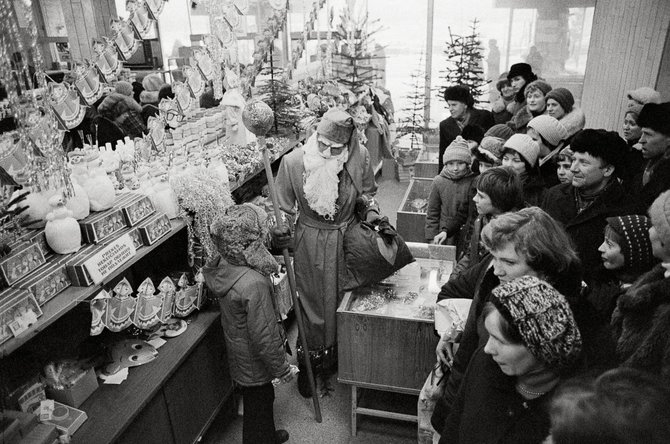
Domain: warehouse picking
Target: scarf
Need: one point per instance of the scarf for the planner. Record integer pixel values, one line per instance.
(584, 200)
(454, 176)
(321, 181)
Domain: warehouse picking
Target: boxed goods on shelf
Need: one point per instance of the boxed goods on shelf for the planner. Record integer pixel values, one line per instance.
(154, 228)
(47, 282)
(101, 225)
(135, 207)
(21, 261)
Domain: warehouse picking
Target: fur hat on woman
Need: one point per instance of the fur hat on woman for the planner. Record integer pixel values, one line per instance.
(123, 87)
(633, 231)
(152, 83)
(115, 105)
(239, 235)
(538, 85)
(522, 69)
(644, 95)
(564, 98)
(543, 318)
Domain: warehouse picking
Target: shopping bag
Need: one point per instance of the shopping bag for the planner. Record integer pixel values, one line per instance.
(432, 390)
(372, 252)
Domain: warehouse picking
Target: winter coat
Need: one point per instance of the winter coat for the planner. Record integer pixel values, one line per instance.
(533, 191)
(448, 204)
(488, 409)
(641, 324)
(500, 112)
(586, 228)
(658, 183)
(520, 119)
(251, 325)
(449, 129)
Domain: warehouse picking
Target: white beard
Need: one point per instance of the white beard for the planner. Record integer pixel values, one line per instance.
(320, 179)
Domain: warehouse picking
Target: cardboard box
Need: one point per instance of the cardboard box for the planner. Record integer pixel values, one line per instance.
(102, 225)
(154, 228)
(135, 207)
(41, 434)
(75, 266)
(33, 236)
(21, 262)
(47, 282)
(76, 395)
(134, 235)
(66, 419)
(18, 312)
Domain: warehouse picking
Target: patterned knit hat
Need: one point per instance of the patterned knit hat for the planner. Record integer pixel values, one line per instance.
(564, 98)
(525, 146)
(644, 95)
(635, 244)
(239, 235)
(659, 213)
(543, 318)
(457, 150)
(549, 128)
(492, 148)
(500, 130)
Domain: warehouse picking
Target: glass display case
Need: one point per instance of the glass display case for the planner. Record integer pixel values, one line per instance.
(411, 216)
(386, 337)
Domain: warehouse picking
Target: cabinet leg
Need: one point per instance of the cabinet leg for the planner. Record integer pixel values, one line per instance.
(354, 401)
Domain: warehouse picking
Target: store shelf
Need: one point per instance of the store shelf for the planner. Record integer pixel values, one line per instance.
(112, 409)
(68, 299)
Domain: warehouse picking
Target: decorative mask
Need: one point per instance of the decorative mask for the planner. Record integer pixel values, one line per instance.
(130, 353)
(120, 308)
(170, 112)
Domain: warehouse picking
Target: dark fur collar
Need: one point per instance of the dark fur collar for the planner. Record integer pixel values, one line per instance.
(649, 291)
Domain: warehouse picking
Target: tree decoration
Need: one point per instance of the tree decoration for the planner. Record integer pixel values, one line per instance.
(309, 27)
(411, 122)
(283, 99)
(464, 62)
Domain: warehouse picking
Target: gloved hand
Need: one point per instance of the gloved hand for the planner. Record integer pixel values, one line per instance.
(281, 237)
(386, 230)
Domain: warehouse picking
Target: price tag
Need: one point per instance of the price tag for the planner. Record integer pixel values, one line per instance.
(110, 258)
(23, 322)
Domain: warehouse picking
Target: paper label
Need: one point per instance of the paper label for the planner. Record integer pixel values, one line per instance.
(110, 258)
(23, 322)
(46, 410)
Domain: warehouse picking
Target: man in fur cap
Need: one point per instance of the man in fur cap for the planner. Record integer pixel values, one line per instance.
(462, 112)
(325, 178)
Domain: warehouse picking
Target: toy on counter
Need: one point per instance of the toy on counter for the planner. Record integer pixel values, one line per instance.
(62, 230)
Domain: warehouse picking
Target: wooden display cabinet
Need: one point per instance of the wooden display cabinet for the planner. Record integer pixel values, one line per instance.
(411, 216)
(426, 164)
(388, 342)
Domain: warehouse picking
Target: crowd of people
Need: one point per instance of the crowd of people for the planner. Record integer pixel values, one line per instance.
(563, 243)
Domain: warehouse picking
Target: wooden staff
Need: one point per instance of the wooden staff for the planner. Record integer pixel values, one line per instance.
(291, 278)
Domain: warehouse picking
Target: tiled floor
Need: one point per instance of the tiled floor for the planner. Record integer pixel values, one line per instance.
(296, 414)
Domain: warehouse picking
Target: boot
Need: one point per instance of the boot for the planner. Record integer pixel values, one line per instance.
(304, 387)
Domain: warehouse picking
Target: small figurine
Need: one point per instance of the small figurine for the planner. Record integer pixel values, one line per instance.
(167, 291)
(149, 306)
(121, 307)
(62, 230)
(97, 184)
(236, 132)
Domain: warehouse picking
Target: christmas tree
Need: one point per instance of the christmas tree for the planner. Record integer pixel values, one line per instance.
(352, 59)
(464, 62)
(412, 121)
(283, 98)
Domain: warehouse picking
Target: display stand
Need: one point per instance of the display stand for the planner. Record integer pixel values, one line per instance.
(365, 338)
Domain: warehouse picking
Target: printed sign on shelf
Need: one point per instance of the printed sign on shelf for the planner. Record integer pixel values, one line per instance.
(110, 258)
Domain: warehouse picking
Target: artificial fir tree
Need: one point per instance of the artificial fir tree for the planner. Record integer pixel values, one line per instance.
(412, 122)
(464, 62)
(352, 60)
(283, 98)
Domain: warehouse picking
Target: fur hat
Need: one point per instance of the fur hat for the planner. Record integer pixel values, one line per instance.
(492, 148)
(607, 145)
(539, 85)
(239, 236)
(635, 244)
(659, 213)
(543, 318)
(123, 87)
(525, 146)
(459, 93)
(655, 116)
(502, 82)
(152, 83)
(500, 130)
(457, 150)
(644, 95)
(635, 109)
(564, 98)
(336, 125)
(549, 128)
(521, 69)
(115, 104)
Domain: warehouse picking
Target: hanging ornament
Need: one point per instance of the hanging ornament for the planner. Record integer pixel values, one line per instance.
(156, 7)
(194, 81)
(140, 17)
(204, 63)
(149, 305)
(67, 108)
(182, 95)
(124, 37)
(121, 307)
(87, 81)
(170, 112)
(106, 59)
(156, 127)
